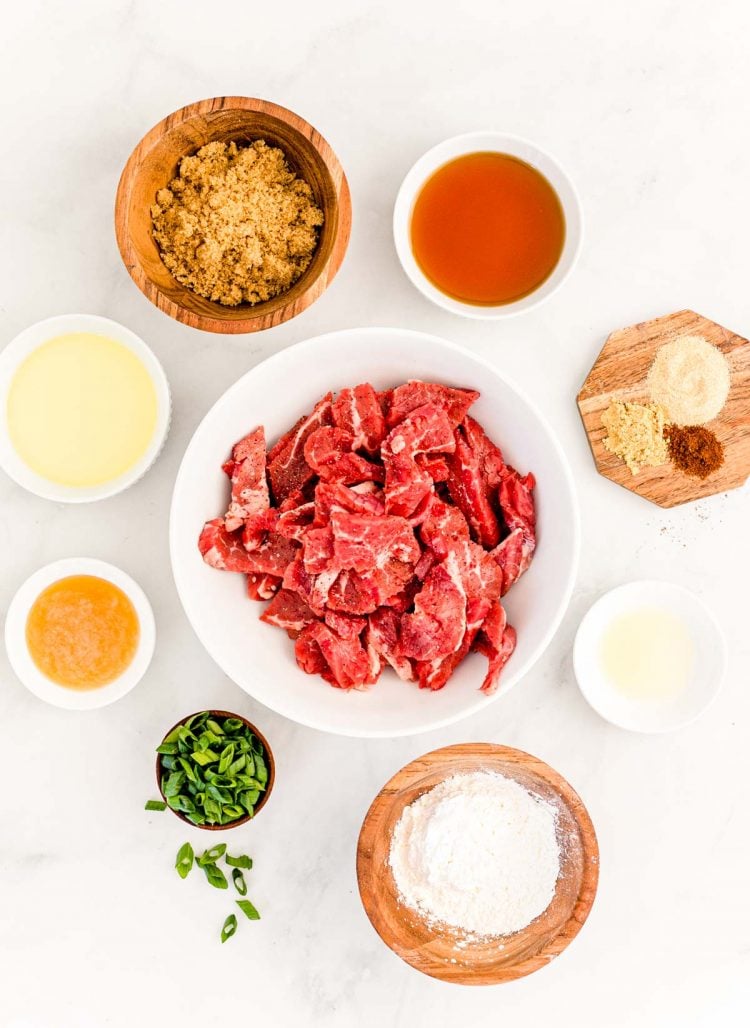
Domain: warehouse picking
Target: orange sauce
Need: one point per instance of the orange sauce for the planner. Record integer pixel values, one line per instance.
(487, 229)
(82, 632)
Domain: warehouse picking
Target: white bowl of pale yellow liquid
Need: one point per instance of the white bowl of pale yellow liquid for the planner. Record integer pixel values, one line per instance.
(84, 408)
(649, 656)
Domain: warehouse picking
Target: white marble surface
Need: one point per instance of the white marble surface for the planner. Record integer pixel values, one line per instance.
(645, 103)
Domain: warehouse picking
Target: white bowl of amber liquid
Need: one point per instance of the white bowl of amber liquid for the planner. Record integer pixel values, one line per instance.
(487, 225)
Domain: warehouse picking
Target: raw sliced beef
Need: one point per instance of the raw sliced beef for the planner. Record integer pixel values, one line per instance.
(345, 663)
(247, 471)
(496, 640)
(513, 555)
(287, 468)
(425, 430)
(383, 528)
(358, 412)
(222, 549)
(329, 452)
(406, 398)
(289, 611)
(262, 587)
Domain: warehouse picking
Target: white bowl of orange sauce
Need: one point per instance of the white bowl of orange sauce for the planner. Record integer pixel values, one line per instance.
(80, 633)
(487, 225)
(84, 408)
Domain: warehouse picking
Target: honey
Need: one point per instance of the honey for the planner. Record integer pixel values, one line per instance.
(82, 632)
(487, 229)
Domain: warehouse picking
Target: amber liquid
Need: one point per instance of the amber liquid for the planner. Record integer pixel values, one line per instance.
(487, 229)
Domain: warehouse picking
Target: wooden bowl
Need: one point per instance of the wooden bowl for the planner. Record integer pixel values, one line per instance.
(154, 163)
(442, 953)
(270, 764)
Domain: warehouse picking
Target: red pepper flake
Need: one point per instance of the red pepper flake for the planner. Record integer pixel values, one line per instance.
(694, 450)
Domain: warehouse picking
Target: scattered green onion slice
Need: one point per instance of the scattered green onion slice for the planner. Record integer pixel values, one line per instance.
(248, 909)
(242, 861)
(184, 861)
(228, 928)
(155, 805)
(211, 855)
(239, 881)
(215, 876)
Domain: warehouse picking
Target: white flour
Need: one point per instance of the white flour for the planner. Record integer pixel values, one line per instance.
(478, 852)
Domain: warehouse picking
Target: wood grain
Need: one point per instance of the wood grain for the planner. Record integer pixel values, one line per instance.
(436, 952)
(154, 163)
(620, 372)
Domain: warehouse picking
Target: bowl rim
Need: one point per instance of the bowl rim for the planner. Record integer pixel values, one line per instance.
(486, 753)
(490, 140)
(254, 321)
(375, 333)
(583, 641)
(269, 784)
(30, 339)
(22, 663)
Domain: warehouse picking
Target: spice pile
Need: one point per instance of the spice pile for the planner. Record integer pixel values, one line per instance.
(688, 384)
(236, 225)
(478, 853)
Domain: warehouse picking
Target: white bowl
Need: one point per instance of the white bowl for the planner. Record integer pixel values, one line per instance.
(18, 350)
(260, 658)
(651, 715)
(29, 673)
(495, 142)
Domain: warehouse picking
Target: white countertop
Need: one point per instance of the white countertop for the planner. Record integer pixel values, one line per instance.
(645, 105)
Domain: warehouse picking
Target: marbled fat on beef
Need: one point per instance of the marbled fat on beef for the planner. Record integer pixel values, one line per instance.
(383, 528)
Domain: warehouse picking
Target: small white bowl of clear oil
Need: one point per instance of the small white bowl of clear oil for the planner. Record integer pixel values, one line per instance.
(84, 408)
(649, 656)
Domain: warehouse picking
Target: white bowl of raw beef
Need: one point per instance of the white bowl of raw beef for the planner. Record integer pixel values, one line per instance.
(259, 657)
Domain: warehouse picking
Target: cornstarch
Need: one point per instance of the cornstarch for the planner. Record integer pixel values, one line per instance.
(478, 853)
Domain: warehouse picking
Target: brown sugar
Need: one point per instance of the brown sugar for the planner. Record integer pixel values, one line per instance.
(236, 225)
(694, 450)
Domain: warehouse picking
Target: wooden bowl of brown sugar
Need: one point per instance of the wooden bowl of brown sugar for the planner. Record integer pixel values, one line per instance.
(154, 164)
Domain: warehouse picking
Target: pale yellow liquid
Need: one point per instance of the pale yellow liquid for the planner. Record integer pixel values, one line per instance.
(81, 410)
(647, 654)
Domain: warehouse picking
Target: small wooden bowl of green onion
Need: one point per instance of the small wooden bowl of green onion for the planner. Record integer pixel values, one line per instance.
(215, 770)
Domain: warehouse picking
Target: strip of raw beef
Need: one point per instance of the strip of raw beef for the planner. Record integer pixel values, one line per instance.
(470, 491)
(438, 623)
(496, 640)
(514, 553)
(328, 451)
(287, 468)
(262, 587)
(361, 593)
(314, 589)
(425, 430)
(382, 635)
(256, 528)
(435, 466)
(346, 625)
(247, 471)
(433, 674)
(274, 556)
(345, 663)
(406, 398)
(358, 412)
(364, 542)
(330, 496)
(289, 611)
(293, 523)
(224, 550)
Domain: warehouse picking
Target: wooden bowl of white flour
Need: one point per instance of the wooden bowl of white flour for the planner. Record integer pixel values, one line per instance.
(477, 864)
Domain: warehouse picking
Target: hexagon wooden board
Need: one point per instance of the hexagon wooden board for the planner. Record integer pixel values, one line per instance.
(619, 373)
